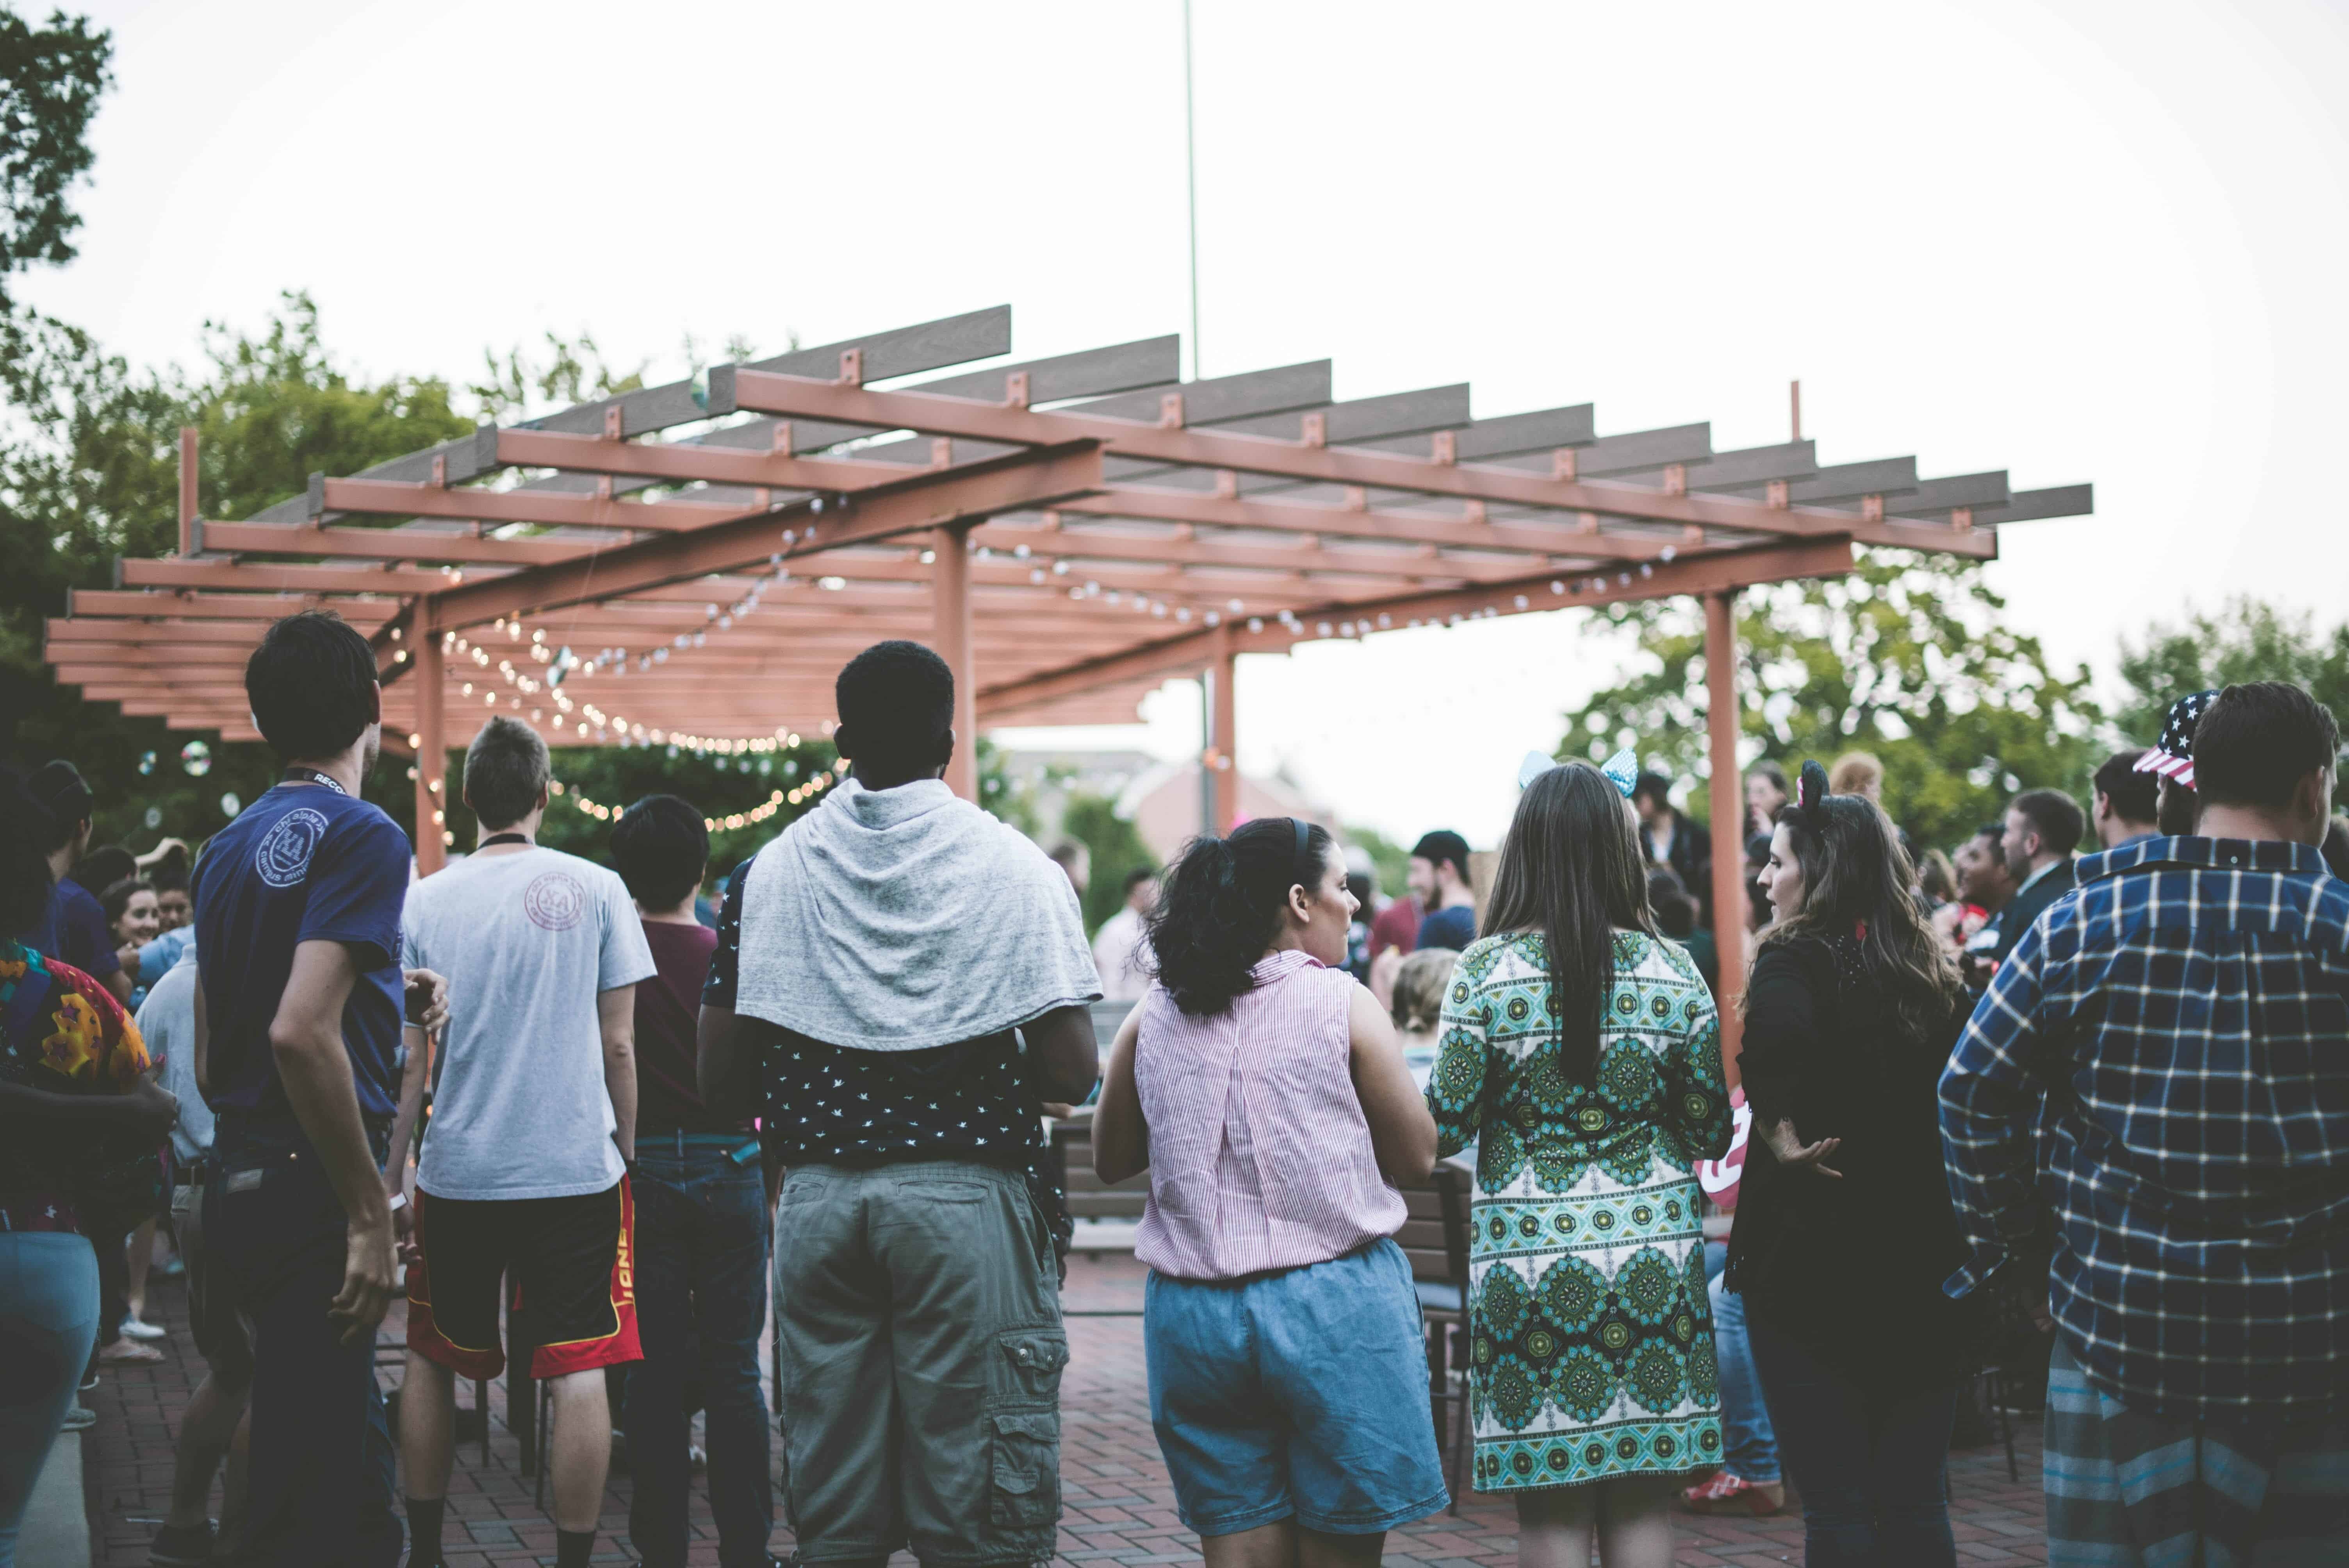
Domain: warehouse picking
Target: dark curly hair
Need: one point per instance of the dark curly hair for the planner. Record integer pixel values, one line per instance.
(1856, 882)
(1222, 907)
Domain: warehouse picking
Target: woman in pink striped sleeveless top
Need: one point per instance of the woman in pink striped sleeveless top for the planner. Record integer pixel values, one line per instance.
(1266, 1093)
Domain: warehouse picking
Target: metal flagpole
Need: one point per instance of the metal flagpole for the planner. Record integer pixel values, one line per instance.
(1191, 184)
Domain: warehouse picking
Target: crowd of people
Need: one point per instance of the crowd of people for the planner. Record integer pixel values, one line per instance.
(2092, 1093)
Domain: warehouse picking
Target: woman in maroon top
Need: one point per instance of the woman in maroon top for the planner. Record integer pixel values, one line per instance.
(701, 1254)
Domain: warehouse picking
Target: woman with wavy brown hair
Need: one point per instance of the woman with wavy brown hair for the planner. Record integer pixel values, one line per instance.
(1842, 1241)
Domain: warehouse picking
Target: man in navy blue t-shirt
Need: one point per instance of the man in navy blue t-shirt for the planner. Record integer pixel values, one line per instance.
(298, 1013)
(74, 927)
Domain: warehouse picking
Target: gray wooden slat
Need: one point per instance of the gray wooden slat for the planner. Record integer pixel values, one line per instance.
(905, 351)
(1369, 418)
(1089, 373)
(1631, 452)
(1221, 400)
(1510, 435)
(1849, 481)
(1933, 497)
(1752, 468)
(2029, 506)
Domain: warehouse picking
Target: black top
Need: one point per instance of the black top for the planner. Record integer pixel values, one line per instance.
(2029, 904)
(1852, 1267)
(1691, 858)
(836, 1105)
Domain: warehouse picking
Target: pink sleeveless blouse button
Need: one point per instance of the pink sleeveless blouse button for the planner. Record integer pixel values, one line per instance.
(1259, 1156)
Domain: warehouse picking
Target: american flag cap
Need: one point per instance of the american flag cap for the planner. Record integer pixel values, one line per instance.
(2172, 757)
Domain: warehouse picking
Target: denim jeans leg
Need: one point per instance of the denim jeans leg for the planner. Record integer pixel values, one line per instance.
(1824, 1430)
(321, 1488)
(1910, 1482)
(652, 1411)
(730, 1287)
(1750, 1447)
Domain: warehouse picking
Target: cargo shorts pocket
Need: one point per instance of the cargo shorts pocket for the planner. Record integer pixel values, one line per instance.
(1024, 1464)
(1029, 1364)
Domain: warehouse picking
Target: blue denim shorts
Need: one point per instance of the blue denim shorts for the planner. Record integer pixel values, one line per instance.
(1301, 1393)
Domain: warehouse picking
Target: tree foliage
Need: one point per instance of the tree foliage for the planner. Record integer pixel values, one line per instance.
(2244, 641)
(1911, 656)
(1112, 845)
(50, 80)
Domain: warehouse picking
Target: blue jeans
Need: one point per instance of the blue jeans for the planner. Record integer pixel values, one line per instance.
(48, 1319)
(322, 1479)
(1870, 1463)
(702, 1301)
(1749, 1447)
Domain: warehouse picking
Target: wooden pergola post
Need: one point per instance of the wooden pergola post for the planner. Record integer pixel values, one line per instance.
(1223, 765)
(188, 502)
(1728, 816)
(950, 604)
(431, 744)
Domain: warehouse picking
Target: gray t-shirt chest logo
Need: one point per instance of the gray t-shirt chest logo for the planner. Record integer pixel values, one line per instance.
(554, 901)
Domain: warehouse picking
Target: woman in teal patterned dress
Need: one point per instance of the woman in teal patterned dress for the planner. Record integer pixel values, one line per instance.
(1582, 1050)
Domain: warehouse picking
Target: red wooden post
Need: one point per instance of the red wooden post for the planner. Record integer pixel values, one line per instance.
(950, 604)
(188, 502)
(1728, 816)
(432, 742)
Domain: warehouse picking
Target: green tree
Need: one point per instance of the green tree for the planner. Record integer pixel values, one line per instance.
(2246, 641)
(1114, 847)
(50, 80)
(1392, 860)
(1911, 656)
(88, 473)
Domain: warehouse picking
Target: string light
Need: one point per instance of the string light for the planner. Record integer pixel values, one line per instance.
(815, 784)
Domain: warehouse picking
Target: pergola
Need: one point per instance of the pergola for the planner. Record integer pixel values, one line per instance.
(693, 562)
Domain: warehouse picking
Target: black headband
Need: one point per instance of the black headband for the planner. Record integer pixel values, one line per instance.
(1304, 836)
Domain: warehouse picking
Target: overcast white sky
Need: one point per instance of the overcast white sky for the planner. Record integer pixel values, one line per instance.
(2076, 241)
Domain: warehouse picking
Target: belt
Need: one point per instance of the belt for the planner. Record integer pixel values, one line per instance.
(678, 1142)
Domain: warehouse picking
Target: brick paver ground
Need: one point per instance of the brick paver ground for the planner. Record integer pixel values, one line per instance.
(1120, 1508)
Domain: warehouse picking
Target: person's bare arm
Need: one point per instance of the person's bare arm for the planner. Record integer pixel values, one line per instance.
(615, 1015)
(1121, 1133)
(146, 1107)
(719, 1066)
(307, 1039)
(203, 1036)
(119, 983)
(1063, 1056)
(412, 1079)
(1403, 1132)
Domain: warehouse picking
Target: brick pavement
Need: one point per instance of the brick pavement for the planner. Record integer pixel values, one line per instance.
(1120, 1508)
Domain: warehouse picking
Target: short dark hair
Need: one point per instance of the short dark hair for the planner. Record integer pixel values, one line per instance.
(1442, 845)
(1140, 874)
(105, 866)
(1769, 769)
(311, 684)
(1655, 786)
(2258, 740)
(896, 703)
(661, 846)
(505, 768)
(25, 827)
(2134, 795)
(2057, 816)
(64, 798)
(170, 873)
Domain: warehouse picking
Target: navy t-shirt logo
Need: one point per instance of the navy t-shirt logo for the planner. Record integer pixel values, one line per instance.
(284, 858)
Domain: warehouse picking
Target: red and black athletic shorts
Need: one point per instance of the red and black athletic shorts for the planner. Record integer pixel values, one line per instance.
(570, 1264)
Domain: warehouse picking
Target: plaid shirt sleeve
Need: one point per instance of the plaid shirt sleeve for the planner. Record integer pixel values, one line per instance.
(1991, 1095)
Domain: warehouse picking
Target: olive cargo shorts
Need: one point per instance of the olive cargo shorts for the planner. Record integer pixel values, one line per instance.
(920, 1338)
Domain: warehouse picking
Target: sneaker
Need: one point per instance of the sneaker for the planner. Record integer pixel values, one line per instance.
(1727, 1493)
(80, 1417)
(138, 1328)
(182, 1546)
(123, 1351)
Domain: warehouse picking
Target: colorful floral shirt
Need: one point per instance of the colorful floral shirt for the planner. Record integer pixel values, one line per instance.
(63, 1032)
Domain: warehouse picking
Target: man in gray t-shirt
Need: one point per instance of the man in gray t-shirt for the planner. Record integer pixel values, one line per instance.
(523, 1173)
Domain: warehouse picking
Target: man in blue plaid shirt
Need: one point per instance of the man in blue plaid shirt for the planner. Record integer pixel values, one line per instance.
(2167, 1051)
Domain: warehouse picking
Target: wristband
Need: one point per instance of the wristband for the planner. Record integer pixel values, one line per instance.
(396, 1202)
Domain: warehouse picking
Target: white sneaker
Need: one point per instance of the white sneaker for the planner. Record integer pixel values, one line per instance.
(80, 1417)
(133, 1328)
